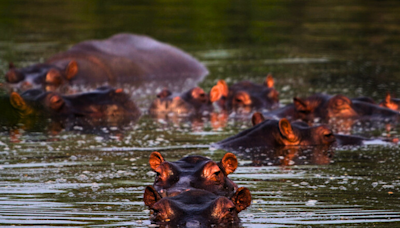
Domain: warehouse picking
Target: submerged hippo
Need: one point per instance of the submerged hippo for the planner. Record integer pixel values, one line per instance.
(271, 133)
(122, 58)
(103, 106)
(194, 172)
(245, 97)
(192, 102)
(196, 208)
(19, 110)
(324, 108)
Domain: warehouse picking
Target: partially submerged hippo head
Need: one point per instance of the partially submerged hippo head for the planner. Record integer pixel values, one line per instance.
(192, 102)
(48, 76)
(272, 133)
(324, 107)
(245, 96)
(193, 172)
(196, 208)
(104, 105)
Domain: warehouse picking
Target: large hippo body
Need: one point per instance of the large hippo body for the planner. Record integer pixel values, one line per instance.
(122, 58)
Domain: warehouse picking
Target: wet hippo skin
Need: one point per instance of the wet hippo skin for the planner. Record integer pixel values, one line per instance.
(196, 208)
(123, 58)
(193, 172)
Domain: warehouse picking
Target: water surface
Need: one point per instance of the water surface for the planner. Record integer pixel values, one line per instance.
(75, 179)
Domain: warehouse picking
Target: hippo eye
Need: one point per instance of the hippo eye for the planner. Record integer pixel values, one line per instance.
(304, 111)
(238, 100)
(232, 209)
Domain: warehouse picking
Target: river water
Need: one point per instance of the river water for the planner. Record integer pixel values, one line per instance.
(97, 180)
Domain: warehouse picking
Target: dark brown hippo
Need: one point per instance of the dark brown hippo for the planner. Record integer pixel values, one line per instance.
(104, 106)
(192, 102)
(194, 172)
(122, 58)
(272, 134)
(20, 111)
(390, 103)
(325, 108)
(196, 208)
(245, 97)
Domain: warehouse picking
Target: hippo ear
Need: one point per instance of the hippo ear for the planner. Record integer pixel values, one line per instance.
(71, 70)
(228, 163)
(55, 101)
(11, 65)
(151, 196)
(219, 90)
(257, 118)
(299, 104)
(241, 199)
(286, 129)
(269, 81)
(17, 101)
(388, 98)
(155, 160)
(53, 77)
(164, 93)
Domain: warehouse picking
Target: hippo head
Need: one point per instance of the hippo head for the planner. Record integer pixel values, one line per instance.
(194, 172)
(104, 104)
(323, 107)
(272, 134)
(244, 97)
(196, 208)
(193, 101)
(49, 76)
(299, 133)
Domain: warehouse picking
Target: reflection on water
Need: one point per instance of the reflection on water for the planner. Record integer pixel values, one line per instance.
(98, 178)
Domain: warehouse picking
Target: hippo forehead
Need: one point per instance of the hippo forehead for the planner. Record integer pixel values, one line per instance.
(191, 164)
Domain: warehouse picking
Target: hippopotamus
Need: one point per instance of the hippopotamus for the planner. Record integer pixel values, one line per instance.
(390, 103)
(192, 102)
(104, 106)
(323, 108)
(194, 172)
(18, 110)
(122, 58)
(245, 97)
(196, 208)
(271, 133)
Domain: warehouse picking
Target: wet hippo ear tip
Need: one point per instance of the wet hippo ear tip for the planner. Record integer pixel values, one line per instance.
(257, 118)
(269, 81)
(229, 163)
(242, 198)
(151, 196)
(155, 160)
(16, 100)
(71, 70)
(388, 97)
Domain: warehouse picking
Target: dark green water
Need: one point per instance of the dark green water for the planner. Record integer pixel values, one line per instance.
(350, 47)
